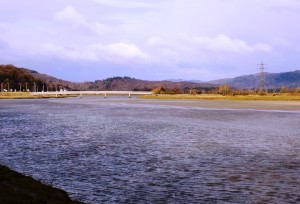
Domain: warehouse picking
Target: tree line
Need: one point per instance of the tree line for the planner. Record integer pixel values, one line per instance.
(225, 90)
(16, 79)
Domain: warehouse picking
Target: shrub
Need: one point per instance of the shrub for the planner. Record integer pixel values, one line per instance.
(224, 89)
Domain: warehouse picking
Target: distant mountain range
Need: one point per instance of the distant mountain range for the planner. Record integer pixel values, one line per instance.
(13, 77)
(183, 80)
(272, 80)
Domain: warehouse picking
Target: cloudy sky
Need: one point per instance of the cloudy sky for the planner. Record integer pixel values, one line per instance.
(82, 40)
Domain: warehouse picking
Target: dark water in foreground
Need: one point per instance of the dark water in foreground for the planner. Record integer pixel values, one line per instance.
(104, 152)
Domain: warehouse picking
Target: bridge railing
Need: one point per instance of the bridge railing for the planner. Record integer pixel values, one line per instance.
(93, 93)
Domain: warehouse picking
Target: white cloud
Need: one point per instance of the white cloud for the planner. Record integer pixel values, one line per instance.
(156, 41)
(201, 50)
(95, 52)
(127, 3)
(222, 43)
(98, 27)
(70, 15)
(118, 50)
(67, 52)
(126, 51)
(162, 32)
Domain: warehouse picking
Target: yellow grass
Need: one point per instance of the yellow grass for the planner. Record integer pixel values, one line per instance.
(26, 95)
(269, 97)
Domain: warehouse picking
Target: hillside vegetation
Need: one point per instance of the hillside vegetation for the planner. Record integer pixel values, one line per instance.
(12, 77)
(273, 81)
(16, 79)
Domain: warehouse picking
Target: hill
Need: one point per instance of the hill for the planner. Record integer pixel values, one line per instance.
(127, 83)
(51, 81)
(273, 80)
(13, 77)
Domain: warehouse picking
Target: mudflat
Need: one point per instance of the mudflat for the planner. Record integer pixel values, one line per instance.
(222, 104)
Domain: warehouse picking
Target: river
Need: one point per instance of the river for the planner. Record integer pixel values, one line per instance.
(114, 151)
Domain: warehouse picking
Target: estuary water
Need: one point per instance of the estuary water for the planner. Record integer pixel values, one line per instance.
(114, 151)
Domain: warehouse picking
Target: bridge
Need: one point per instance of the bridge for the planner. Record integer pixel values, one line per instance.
(104, 93)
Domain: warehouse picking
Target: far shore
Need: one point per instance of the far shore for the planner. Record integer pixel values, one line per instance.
(227, 104)
(145, 95)
(64, 94)
(267, 97)
(217, 103)
(285, 102)
(28, 95)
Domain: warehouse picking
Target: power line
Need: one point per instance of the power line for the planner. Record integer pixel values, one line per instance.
(262, 79)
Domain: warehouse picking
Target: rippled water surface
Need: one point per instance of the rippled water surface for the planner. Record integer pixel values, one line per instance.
(105, 151)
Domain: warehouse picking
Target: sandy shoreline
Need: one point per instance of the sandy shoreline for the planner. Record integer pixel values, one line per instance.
(283, 105)
(219, 104)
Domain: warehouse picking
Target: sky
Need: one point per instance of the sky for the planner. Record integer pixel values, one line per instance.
(87, 40)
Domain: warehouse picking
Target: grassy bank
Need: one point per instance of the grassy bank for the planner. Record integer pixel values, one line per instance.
(268, 97)
(17, 188)
(27, 95)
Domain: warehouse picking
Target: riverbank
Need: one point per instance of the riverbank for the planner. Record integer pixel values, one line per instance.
(274, 105)
(34, 95)
(17, 188)
(267, 97)
(28, 95)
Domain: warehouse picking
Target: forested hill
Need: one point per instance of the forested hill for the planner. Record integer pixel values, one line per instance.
(14, 76)
(273, 80)
(127, 83)
(11, 78)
